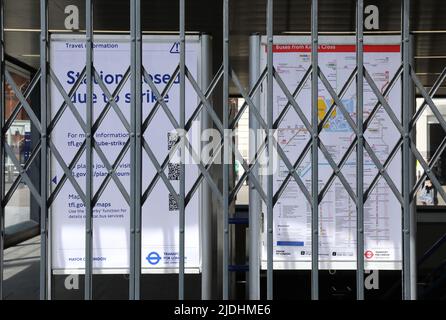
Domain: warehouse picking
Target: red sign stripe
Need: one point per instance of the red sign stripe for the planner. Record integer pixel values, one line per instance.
(335, 48)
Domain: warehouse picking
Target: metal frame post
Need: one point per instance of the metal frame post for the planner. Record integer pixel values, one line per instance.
(206, 192)
(269, 120)
(314, 154)
(183, 149)
(360, 151)
(226, 150)
(132, 275)
(138, 147)
(135, 150)
(254, 199)
(406, 221)
(413, 207)
(2, 151)
(44, 110)
(89, 151)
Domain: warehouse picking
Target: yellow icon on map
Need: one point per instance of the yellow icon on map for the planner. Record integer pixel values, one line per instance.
(322, 110)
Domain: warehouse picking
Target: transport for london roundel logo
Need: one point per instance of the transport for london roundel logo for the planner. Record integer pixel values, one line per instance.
(153, 258)
(368, 254)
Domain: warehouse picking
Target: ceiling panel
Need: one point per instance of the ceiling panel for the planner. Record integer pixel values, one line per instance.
(246, 17)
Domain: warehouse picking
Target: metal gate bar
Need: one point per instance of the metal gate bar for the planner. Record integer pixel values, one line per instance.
(2, 151)
(136, 150)
(182, 194)
(255, 205)
(44, 162)
(360, 150)
(226, 151)
(406, 103)
(270, 149)
(89, 152)
(314, 154)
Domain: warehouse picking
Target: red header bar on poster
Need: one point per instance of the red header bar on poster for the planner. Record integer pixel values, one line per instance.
(335, 48)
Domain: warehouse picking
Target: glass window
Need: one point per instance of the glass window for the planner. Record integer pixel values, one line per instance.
(429, 137)
(18, 138)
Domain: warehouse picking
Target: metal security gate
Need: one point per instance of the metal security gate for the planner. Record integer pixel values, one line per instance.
(137, 145)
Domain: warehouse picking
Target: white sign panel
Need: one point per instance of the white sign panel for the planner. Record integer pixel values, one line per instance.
(111, 215)
(337, 211)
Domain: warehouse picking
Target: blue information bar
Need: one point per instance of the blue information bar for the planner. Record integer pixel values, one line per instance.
(291, 243)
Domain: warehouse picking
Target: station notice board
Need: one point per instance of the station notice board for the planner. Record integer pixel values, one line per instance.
(337, 211)
(111, 215)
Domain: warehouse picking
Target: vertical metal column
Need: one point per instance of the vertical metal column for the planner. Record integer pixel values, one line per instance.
(269, 120)
(89, 151)
(183, 149)
(314, 154)
(226, 150)
(405, 9)
(44, 149)
(206, 193)
(135, 151)
(413, 176)
(138, 147)
(133, 177)
(2, 151)
(360, 151)
(254, 200)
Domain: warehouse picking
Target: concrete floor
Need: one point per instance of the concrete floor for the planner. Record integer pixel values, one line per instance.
(17, 209)
(21, 271)
(243, 195)
(21, 280)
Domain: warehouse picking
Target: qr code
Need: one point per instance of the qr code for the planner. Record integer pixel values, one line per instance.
(174, 171)
(173, 204)
(172, 137)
